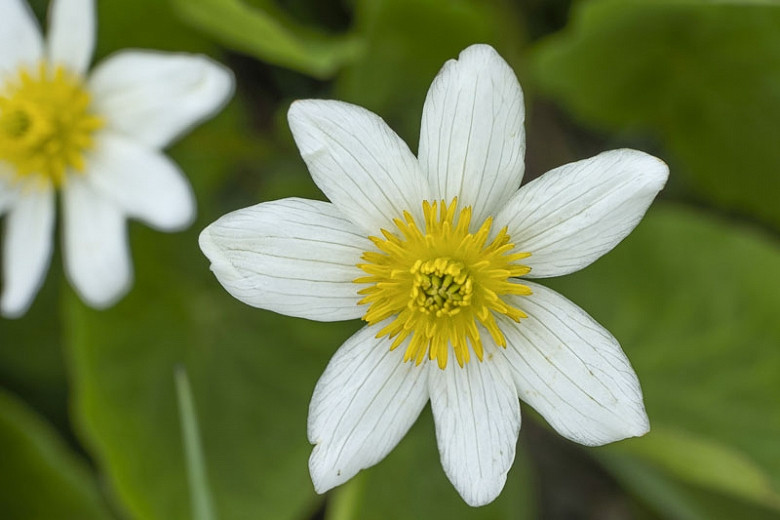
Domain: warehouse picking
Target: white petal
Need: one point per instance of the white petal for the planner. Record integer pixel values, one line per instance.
(143, 182)
(292, 256)
(362, 406)
(154, 97)
(472, 141)
(570, 216)
(27, 247)
(477, 417)
(97, 260)
(20, 37)
(362, 166)
(573, 371)
(71, 38)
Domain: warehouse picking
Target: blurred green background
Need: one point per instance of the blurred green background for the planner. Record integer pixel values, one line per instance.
(89, 421)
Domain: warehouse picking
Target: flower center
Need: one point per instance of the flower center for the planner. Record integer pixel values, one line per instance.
(441, 287)
(45, 123)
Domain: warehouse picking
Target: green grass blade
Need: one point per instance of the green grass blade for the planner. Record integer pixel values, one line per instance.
(200, 495)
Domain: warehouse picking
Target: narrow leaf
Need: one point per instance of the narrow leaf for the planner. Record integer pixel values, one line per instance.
(200, 494)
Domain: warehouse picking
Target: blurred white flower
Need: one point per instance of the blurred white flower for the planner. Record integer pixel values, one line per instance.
(428, 251)
(95, 138)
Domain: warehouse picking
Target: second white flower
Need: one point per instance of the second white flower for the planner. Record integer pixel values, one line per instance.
(94, 138)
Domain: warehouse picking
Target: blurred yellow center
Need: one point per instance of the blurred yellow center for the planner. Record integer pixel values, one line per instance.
(45, 123)
(437, 285)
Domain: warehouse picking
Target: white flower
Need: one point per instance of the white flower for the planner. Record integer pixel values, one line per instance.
(428, 251)
(97, 140)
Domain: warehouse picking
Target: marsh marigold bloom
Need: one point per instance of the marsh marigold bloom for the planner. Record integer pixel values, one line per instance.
(94, 138)
(436, 253)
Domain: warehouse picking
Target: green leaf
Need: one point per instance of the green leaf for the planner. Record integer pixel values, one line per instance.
(410, 483)
(688, 297)
(269, 37)
(40, 477)
(704, 77)
(704, 462)
(673, 499)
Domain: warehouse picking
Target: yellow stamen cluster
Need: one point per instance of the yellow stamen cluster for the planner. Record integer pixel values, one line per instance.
(45, 123)
(438, 284)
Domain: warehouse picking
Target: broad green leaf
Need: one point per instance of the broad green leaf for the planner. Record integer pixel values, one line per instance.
(270, 37)
(690, 298)
(673, 499)
(702, 461)
(408, 41)
(41, 478)
(704, 77)
(410, 483)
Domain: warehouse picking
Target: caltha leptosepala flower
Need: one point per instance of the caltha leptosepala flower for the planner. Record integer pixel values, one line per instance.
(436, 253)
(94, 137)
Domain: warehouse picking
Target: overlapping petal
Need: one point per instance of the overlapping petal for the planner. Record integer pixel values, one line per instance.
(363, 405)
(154, 97)
(572, 370)
(362, 166)
(477, 417)
(71, 37)
(472, 141)
(293, 256)
(572, 215)
(27, 247)
(97, 259)
(20, 37)
(143, 182)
